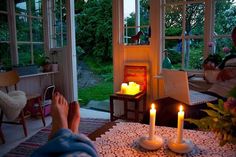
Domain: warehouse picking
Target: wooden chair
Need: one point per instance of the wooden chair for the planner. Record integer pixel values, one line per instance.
(7, 80)
(137, 74)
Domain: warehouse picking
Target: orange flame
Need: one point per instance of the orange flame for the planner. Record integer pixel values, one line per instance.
(181, 108)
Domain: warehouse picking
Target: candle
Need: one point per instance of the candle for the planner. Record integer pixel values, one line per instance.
(124, 88)
(152, 122)
(180, 124)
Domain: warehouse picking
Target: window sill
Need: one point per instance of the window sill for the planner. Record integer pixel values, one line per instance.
(39, 74)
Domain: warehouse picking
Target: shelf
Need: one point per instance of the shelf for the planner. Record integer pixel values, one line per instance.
(38, 74)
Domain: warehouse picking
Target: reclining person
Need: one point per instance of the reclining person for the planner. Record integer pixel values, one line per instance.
(64, 139)
(226, 77)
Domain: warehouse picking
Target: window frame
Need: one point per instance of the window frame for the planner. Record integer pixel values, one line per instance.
(30, 17)
(183, 37)
(137, 26)
(209, 27)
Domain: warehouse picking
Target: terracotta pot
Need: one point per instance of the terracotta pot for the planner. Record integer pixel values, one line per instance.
(47, 68)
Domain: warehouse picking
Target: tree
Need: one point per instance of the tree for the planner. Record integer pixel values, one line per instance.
(94, 29)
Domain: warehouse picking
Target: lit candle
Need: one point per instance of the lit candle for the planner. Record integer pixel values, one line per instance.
(180, 124)
(124, 88)
(152, 122)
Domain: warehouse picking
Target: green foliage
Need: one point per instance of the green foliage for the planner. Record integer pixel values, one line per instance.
(99, 67)
(232, 92)
(175, 57)
(41, 59)
(94, 29)
(219, 120)
(101, 91)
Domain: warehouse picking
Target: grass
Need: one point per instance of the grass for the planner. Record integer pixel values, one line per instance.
(101, 91)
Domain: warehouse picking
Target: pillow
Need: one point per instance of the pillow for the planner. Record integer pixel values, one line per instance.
(12, 105)
(211, 75)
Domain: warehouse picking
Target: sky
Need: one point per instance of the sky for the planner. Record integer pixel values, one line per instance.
(129, 7)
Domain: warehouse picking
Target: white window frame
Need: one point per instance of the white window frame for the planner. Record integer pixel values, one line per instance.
(137, 23)
(13, 42)
(183, 37)
(209, 16)
(31, 42)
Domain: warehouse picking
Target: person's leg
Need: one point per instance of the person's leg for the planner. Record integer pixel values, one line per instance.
(74, 117)
(59, 113)
(62, 140)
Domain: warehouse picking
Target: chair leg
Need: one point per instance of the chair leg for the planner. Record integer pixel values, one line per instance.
(1, 133)
(111, 108)
(41, 111)
(23, 122)
(136, 111)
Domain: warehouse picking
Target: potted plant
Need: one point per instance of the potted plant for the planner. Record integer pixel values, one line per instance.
(43, 61)
(54, 62)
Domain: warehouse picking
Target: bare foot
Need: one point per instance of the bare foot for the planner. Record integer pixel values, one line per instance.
(74, 117)
(59, 113)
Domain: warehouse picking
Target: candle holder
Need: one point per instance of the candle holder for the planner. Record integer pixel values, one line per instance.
(151, 144)
(185, 146)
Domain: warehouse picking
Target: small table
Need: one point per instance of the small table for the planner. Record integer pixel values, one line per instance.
(126, 98)
(122, 140)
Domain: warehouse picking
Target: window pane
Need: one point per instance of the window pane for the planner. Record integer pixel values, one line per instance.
(194, 54)
(221, 43)
(129, 12)
(195, 19)
(4, 31)
(24, 53)
(22, 27)
(3, 5)
(22, 6)
(225, 17)
(174, 52)
(36, 7)
(37, 29)
(144, 12)
(58, 40)
(38, 51)
(173, 20)
(5, 56)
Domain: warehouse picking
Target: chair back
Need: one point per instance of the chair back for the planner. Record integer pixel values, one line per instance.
(137, 74)
(48, 93)
(8, 79)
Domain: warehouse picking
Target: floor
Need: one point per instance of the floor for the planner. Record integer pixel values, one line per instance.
(34, 125)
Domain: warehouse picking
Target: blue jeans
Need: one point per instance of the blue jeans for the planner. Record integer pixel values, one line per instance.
(65, 143)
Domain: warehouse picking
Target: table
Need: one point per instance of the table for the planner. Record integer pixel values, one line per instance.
(128, 98)
(122, 140)
(167, 110)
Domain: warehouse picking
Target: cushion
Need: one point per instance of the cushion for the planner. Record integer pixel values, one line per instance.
(211, 75)
(12, 103)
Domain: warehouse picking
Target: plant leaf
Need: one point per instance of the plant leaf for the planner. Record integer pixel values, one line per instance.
(216, 107)
(212, 113)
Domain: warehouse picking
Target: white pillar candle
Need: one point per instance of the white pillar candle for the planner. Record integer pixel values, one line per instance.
(124, 87)
(152, 122)
(180, 125)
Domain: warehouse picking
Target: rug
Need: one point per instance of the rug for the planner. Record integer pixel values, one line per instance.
(87, 126)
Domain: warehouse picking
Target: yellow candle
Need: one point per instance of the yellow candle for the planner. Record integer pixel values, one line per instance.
(124, 88)
(152, 122)
(180, 125)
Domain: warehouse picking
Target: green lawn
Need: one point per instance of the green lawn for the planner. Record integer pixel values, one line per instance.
(101, 91)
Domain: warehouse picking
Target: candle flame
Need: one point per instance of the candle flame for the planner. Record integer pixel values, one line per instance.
(153, 106)
(181, 108)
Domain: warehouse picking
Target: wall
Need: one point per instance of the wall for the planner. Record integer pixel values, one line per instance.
(139, 54)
